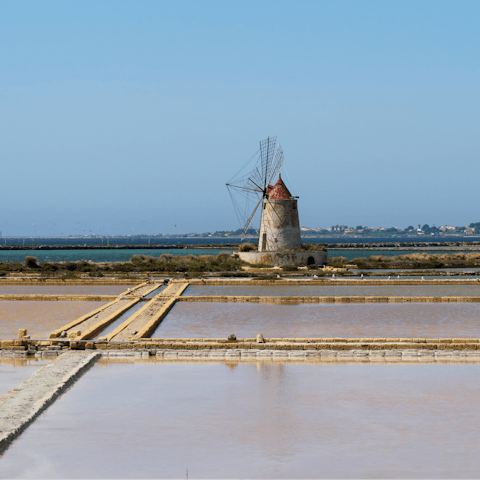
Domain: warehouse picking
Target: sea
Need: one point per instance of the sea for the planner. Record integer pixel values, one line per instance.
(193, 244)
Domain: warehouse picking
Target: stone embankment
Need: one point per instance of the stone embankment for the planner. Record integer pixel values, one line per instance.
(198, 346)
(94, 322)
(152, 313)
(415, 246)
(204, 246)
(89, 325)
(24, 403)
(374, 355)
(175, 288)
(144, 322)
(311, 299)
(154, 345)
(143, 289)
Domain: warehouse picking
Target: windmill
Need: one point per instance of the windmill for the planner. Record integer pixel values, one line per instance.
(249, 190)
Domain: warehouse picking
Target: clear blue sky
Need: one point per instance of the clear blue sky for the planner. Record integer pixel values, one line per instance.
(124, 115)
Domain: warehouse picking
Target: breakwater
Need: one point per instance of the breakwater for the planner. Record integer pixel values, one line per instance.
(204, 246)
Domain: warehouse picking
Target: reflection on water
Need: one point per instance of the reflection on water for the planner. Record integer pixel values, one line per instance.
(15, 370)
(337, 291)
(245, 320)
(257, 420)
(40, 318)
(62, 289)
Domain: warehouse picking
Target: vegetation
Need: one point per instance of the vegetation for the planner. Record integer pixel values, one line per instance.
(412, 260)
(31, 262)
(226, 264)
(313, 247)
(247, 247)
(166, 263)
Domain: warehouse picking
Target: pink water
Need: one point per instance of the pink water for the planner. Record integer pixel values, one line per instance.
(336, 291)
(245, 320)
(62, 289)
(40, 318)
(15, 370)
(257, 420)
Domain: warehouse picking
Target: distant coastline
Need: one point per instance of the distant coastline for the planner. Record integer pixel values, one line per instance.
(179, 243)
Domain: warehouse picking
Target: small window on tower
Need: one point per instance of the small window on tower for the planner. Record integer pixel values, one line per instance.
(295, 206)
(264, 206)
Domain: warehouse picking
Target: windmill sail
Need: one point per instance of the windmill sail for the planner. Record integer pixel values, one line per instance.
(249, 189)
(267, 149)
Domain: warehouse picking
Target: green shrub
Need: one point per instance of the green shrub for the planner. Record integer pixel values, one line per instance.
(313, 247)
(139, 258)
(247, 247)
(337, 262)
(31, 262)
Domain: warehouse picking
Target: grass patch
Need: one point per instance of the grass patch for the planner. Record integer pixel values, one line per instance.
(423, 261)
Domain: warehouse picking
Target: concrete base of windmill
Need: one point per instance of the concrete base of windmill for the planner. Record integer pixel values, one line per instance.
(282, 259)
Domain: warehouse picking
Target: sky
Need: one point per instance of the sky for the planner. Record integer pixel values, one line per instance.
(125, 117)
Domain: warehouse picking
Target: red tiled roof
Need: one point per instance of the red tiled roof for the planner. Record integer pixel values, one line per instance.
(279, 191)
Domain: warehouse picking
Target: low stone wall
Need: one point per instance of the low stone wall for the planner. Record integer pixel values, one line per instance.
(280, 259)
(142, 323)
(311, 355)
(93, 322)
(26, 346)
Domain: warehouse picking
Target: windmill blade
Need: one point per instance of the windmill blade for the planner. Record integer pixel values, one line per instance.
(277, 164)
(243, 202)
(244, 188)
(267, 149)
(250, 188)
(249, 221)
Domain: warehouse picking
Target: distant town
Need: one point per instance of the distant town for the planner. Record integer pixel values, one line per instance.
(306, 232)
(365, 231)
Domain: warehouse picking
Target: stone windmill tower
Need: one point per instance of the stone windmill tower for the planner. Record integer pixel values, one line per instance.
(279, 224)
(279, 241)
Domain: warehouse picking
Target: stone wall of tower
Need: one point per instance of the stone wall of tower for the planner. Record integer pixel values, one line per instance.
(279, 226)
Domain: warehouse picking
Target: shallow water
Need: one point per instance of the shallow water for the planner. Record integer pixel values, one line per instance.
(110, 328)
(62, 289)
(156, 292)
(15, 370)
(257, 420)
(101, 255)
(337, 291)
(40, 318)
(378, 320)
